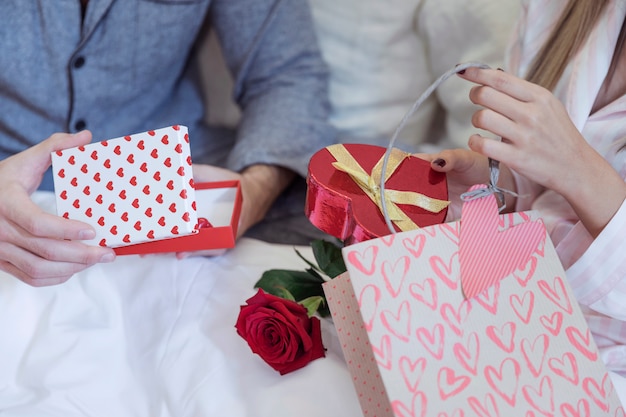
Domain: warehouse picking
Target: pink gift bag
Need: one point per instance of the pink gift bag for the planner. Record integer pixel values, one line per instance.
(472, 318)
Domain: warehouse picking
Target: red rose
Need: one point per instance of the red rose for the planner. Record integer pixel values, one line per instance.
(280, 332)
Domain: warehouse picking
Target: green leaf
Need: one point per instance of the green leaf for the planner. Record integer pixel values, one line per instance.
(311, 264)
(312, 304)
(328, 257)
(316, 274)
(301, 284)
(283, 292)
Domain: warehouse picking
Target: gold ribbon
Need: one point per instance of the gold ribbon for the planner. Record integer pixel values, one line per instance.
(370, 184)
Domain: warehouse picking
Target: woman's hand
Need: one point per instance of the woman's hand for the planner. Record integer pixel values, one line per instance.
(260, 186)
(539, 139)
(465, 168)
(541, 143)
(37, 247)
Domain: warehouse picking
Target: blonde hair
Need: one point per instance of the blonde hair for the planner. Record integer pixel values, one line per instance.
(577, 21)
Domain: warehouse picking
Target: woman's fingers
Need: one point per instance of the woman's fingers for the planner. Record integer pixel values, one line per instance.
(495, 123)
(458, 160)
(502, 82)
(492, 148)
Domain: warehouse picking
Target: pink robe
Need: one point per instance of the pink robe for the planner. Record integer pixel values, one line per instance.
(596, 268)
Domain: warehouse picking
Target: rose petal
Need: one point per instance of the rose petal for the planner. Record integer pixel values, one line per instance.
(280, 332)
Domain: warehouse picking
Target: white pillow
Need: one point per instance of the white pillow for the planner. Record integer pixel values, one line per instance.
(384, 54)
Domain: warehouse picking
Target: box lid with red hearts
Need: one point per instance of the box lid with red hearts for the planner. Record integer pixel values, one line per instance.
(134, 189)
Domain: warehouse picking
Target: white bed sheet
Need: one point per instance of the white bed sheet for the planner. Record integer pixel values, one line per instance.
(154, 336)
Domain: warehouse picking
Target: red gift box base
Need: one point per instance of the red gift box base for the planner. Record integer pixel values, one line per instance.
(222, 235)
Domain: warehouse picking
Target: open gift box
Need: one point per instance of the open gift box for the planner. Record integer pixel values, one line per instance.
(218, 202)
(138, 193)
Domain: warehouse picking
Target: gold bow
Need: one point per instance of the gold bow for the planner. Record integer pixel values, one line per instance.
(370, 184)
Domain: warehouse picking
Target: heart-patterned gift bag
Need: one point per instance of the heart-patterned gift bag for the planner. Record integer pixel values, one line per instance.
(472, 318)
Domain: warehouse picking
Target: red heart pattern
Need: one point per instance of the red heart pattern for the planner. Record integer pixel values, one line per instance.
(416, 346)
(112, 182)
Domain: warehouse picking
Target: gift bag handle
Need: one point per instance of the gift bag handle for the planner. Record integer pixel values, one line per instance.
(494, 166)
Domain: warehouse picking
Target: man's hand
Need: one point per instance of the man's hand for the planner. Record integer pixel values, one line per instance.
(37, 247)
(260, 186)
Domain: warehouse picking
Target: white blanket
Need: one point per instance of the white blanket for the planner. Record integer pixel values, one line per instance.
(154, 336)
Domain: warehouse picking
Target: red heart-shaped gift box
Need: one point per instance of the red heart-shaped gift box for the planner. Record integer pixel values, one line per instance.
(339, 206)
